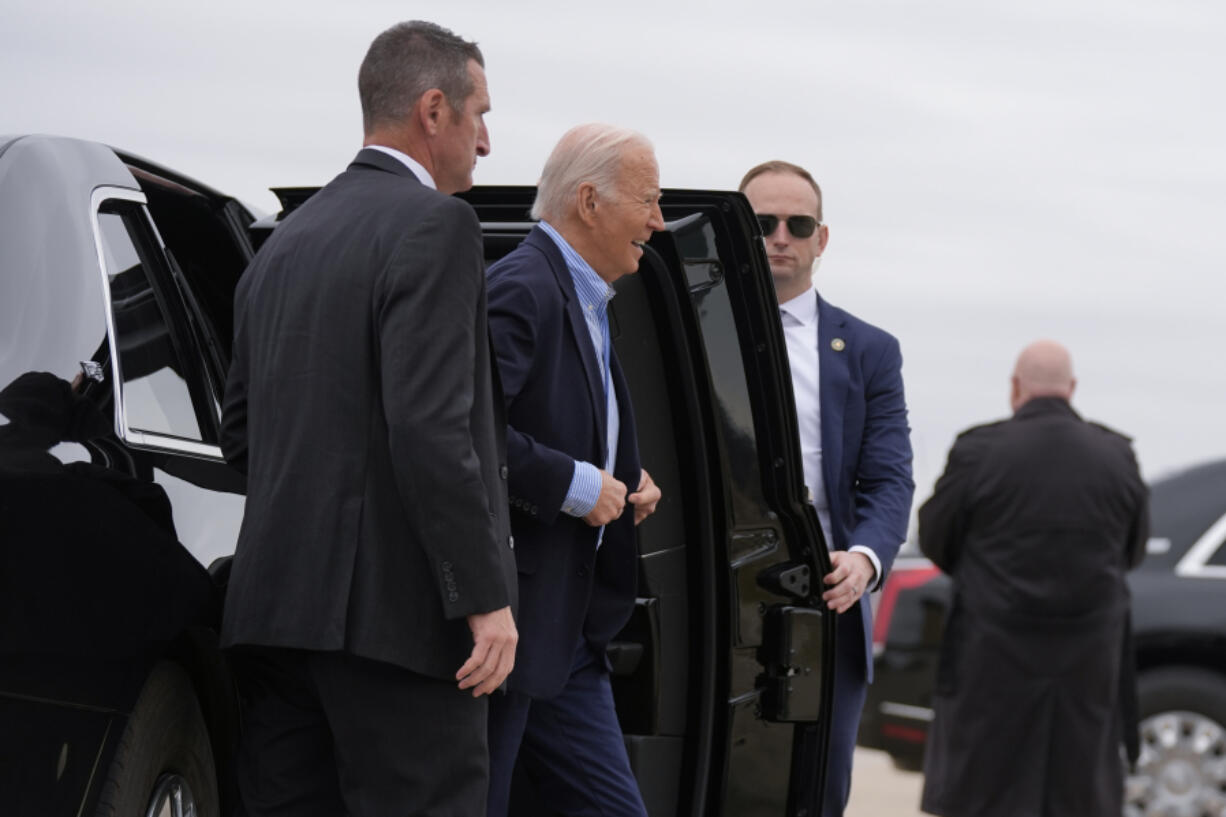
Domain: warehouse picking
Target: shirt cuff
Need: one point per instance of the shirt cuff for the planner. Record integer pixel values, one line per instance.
(584, 490)
(872, 557)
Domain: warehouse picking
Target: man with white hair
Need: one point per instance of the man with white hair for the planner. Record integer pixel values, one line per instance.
(1036, 519)
(572, 455)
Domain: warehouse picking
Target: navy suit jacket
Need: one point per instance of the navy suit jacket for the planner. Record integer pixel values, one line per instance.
(866, 443)
(556, 414)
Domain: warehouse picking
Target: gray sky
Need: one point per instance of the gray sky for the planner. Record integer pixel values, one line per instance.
(993, 172)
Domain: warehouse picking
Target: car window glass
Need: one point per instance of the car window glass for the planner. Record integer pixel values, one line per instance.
(697, 245)
(1218, 557)
(155, 395)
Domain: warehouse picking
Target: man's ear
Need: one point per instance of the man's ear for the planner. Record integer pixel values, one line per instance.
(430, 109)
(586, 199)
(823, 238)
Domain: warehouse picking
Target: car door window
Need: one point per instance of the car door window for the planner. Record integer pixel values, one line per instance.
(156, 395)
(1218, 557)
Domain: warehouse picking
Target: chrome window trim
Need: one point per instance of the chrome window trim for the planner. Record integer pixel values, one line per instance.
(143, 440)
(913, 713)
(1158, 545)
(1195, 564)
(173, 445)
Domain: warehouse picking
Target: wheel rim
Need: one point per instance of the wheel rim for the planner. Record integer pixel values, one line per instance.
(1181, 771)
(172, 797)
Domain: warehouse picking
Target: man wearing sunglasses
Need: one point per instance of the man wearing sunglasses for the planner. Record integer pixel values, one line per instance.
(854, 439)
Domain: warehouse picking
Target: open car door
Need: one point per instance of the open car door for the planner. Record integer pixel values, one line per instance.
(723, 677)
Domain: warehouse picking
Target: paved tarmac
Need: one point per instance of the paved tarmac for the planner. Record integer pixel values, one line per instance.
(880, 790)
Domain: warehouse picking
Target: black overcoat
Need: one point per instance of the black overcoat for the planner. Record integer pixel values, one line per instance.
(1036, 519)
(362, 404)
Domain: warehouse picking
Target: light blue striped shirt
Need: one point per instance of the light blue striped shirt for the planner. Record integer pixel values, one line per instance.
(594, 295)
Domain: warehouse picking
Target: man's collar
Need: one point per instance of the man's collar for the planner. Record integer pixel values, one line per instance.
(588, 284)
(803, 307)
(408, 161)
(1044, 405)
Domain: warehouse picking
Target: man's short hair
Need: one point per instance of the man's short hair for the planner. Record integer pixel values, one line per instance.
(585, 153)
(780, 166)
(406, 61)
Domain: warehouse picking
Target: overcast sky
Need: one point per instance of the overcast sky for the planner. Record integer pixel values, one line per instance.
(993, 172)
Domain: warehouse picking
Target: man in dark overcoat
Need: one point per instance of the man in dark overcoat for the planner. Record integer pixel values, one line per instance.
(1037, 519)
(369, 607)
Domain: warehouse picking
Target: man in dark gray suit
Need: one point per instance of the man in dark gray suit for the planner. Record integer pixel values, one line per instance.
(1037, 518)
(369, 606)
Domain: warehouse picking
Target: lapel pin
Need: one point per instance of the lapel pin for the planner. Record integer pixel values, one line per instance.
(838, 345)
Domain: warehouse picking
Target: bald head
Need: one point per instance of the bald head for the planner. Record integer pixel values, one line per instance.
(1044, 369)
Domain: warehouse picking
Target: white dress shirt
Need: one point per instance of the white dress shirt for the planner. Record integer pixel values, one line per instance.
(408, 161)
(799, 317)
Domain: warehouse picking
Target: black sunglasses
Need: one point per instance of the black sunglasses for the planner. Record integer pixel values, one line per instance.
(798, 226)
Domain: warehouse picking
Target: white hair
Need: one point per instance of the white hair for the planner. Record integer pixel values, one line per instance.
(589, 153)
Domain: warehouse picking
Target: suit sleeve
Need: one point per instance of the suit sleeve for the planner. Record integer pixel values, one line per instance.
(943, 518)
(426, 308)
(539, 476)
(884, 487)
(234, 402)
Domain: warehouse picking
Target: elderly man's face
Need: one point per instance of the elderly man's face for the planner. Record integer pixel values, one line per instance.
(463, 137)
(791, 258)
(628, 217)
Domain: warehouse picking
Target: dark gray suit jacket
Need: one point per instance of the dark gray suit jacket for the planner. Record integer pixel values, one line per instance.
(362, 404)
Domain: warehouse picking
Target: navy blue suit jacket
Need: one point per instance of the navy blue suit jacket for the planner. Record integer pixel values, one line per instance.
(866, 443)
(556, 414)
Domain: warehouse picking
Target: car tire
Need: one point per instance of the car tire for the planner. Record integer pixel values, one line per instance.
(1183, 688)
(163, 763)
(1183, 737)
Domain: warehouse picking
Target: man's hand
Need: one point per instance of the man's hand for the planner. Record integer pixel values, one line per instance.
(611, 503)
(493, 657)
(850, 578)
(645, 498)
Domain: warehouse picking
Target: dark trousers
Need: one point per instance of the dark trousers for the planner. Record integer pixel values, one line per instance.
(328, 733)
(569, 747)
(850, 689)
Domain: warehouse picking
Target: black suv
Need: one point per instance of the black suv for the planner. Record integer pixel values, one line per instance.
(118, 514)
(1179, 628)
